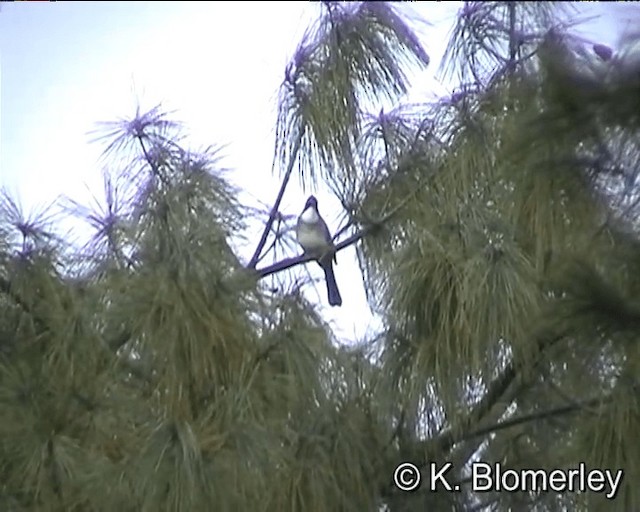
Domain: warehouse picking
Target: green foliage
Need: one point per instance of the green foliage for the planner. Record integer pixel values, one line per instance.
(497, 236)
(355, 53)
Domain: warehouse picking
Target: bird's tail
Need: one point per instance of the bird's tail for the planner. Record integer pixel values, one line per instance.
(332, 287)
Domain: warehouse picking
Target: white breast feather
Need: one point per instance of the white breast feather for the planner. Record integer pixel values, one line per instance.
(310, 216)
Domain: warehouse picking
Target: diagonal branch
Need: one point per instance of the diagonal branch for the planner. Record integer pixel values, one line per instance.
(297, 260)
(494, 395)
(499, 387)
(526, 418)
(303, 258)
(274, 211)
(443, 443)
(541, 415)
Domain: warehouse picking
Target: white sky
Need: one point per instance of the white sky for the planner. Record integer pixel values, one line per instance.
(67, 65)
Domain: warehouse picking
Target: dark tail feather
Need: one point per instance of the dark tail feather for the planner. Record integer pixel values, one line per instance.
(332, 287)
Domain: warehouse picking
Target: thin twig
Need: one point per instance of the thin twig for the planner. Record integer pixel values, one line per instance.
(513, 43)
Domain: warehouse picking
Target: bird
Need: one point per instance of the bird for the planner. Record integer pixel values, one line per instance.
(315, 239)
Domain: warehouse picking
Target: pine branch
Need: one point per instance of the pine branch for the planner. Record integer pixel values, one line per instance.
(448, 439)
(274, 211)
(154, 166)
(6, 288)
(443, 443)
(493, 397)
(303, 258)
(495, 394)
(297, 260)
(42, 326)
(527, 418)
(56, 483)
(535, 416)
(513, 43)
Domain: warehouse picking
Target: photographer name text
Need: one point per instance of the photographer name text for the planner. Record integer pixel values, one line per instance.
(493, 477)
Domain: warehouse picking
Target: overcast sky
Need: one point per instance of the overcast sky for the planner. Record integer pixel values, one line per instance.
(67, 65)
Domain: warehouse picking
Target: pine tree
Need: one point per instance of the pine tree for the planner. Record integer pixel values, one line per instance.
(155, 369)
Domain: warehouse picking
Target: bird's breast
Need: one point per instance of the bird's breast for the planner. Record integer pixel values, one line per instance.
(309, 237)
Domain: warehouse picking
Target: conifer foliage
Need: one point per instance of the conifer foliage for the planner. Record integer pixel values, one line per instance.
(155, 369)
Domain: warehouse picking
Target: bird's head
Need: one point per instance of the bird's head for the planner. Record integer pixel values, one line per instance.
(312, 202)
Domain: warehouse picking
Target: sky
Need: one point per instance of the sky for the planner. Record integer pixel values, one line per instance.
(64, 66)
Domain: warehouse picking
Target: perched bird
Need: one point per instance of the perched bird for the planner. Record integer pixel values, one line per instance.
(314, 237)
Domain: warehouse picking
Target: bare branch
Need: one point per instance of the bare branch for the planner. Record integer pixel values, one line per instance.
(274, 211)
(297, 260)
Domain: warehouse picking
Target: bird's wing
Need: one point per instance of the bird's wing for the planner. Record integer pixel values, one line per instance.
(325, 231)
